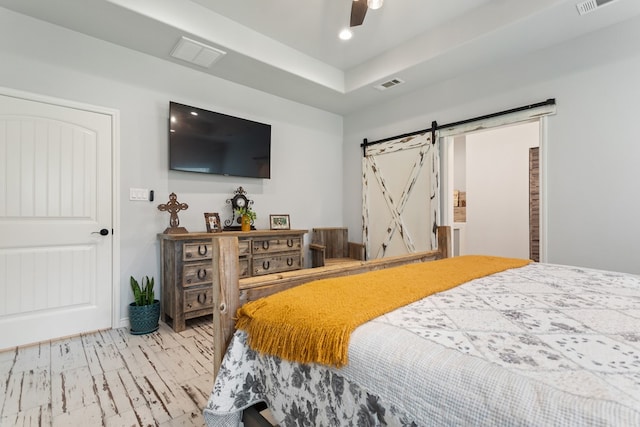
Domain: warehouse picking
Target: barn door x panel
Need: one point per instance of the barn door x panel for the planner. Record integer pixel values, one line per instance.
(400, 196)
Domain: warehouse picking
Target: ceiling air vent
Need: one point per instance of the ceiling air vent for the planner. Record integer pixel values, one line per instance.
(196, 52)
(389, 84)
(591, 5)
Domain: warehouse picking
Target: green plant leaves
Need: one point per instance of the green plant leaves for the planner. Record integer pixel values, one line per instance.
(246, 211)
(143, 295)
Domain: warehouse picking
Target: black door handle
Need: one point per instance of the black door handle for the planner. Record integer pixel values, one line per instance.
(102, 232)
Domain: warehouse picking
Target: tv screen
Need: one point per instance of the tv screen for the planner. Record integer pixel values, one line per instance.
(208, 142)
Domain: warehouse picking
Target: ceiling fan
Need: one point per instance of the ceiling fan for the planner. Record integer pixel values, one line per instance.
(359, 10)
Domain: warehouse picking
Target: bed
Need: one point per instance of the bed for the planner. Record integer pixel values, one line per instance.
(534, 345)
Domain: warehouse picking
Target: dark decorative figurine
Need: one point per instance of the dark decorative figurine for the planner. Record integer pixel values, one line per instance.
(173, 207)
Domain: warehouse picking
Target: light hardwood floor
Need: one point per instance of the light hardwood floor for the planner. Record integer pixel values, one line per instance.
(110, 378)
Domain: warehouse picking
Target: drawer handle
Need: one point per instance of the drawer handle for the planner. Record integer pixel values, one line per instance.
(201, 251)
(204, 298)
(265, 245)
(289, 262)
(202, 273)
(290, 243)
(265, 265)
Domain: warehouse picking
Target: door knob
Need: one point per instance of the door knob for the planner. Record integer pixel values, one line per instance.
(102, 232)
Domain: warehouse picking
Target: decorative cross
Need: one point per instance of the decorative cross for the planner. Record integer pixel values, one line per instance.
(173, 207)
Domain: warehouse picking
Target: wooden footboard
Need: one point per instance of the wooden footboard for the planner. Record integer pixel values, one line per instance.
(229, 292)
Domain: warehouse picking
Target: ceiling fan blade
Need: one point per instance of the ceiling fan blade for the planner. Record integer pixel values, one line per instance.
(358, 11)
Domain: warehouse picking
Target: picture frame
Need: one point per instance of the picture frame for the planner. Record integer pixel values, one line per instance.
(212, 221)
(279, 222)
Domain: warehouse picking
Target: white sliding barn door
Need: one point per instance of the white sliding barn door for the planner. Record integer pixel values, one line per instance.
(401, 200)
(55, 270)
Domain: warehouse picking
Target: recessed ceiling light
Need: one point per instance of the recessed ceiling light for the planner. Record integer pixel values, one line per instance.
(374, 4)
(345, 34)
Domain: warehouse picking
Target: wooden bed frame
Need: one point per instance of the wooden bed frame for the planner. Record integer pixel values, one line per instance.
(229, 292)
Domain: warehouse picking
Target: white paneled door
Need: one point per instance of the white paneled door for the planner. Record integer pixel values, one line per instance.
(55, 198)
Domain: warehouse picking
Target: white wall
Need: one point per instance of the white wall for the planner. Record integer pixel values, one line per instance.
(460, 163)
(44, 59)
(498, 190)
(593, 152)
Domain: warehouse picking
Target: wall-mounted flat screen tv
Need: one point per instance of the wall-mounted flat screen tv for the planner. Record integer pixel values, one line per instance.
(208, 142)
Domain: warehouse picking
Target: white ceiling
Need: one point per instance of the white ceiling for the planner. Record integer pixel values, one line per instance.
(290, 48)
(312, 26)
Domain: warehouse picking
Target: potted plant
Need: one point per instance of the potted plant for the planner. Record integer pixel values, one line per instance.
(144, 311)
(247, 216)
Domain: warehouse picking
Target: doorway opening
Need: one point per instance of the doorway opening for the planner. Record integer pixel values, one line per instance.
(491, 190)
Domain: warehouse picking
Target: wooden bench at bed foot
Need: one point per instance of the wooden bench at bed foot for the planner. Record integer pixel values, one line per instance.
(330, 245)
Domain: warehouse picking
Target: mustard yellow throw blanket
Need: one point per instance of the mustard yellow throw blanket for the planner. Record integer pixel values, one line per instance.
(313, 322)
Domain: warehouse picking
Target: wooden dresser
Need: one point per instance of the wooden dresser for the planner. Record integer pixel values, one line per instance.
(187, 267)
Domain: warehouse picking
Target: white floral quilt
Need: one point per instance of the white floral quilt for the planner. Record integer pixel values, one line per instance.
(539, 345)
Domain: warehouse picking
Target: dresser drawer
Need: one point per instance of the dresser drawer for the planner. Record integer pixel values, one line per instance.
(244, 247)
(196, 251)
(197, 273)
(197, 299)
(276, 263)
(265, 246)
(244, 270)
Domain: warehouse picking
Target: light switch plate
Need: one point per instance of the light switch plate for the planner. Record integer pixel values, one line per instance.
(138, 194)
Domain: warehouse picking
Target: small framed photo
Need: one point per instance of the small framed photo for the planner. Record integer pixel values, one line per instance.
(279, 222)
(212, 220)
